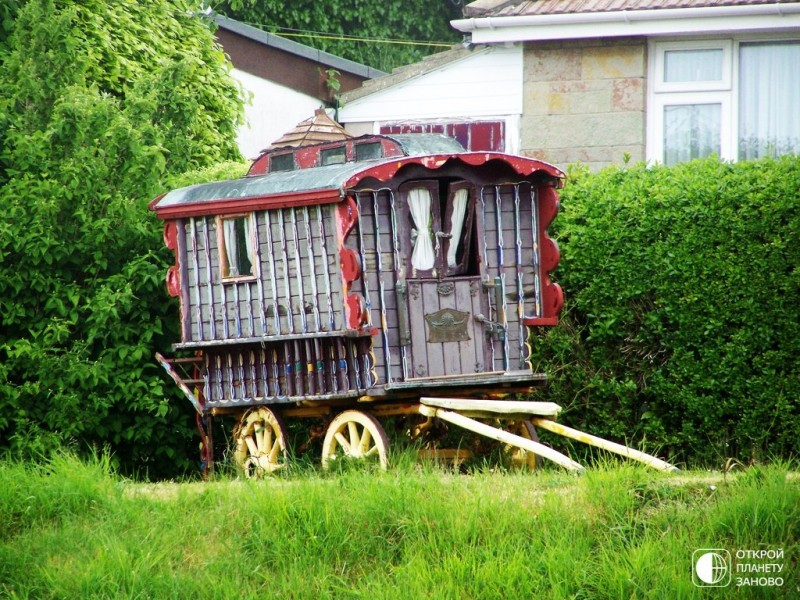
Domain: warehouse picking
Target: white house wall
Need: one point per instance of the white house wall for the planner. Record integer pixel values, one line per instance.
(272, 110)
(486, 85)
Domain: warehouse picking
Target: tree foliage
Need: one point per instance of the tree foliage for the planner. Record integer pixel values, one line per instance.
(99, 104)
(681, 329)
(420, 20)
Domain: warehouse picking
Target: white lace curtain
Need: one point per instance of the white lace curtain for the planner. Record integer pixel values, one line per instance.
(457, 225)
(769, 100)
(234, 232)
(423, 257)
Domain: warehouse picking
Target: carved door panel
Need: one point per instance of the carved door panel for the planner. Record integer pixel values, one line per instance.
(443, 285)
(446, 339)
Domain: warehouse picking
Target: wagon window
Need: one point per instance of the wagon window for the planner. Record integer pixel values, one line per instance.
(333, 156)
(458, 227)
(236, 247)
(368, 151)
(423, 257)
(281, 162)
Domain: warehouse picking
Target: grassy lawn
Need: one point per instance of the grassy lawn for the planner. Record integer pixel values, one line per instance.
(72, 529)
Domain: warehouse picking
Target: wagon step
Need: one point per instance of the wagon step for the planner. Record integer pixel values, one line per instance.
(455, 411)
(181, 383)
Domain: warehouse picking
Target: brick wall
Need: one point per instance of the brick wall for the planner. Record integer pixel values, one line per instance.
(584, 101)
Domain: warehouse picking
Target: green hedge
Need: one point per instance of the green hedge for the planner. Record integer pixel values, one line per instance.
(681, 330)
(100, 104)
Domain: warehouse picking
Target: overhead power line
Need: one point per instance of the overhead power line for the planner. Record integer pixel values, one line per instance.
(321, 35)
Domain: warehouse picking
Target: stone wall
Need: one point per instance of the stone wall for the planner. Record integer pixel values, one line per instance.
(584, 101)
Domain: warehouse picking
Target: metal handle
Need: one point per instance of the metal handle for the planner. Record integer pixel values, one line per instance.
(492, 328)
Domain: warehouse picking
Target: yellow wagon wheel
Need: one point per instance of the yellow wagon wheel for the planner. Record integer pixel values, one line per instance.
(357, 435)
(260, 441)
(517, 457)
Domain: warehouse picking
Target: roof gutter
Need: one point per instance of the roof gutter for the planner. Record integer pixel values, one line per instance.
(672, 21)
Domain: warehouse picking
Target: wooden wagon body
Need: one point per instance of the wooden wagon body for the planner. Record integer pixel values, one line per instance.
(367, 272)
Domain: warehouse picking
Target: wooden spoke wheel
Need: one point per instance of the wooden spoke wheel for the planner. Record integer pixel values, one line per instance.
(517, 457)
(260, 441)
(355, 435)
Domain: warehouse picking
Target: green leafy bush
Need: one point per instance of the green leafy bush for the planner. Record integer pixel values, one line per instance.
(681, 329)
(99, 104)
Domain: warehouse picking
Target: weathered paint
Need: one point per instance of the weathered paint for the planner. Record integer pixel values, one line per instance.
(331, 261)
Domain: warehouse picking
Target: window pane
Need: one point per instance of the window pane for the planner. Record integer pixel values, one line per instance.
(769, 99)
(693, 65)
(281, 162)
(237, 246)
(243, 261)
(691, 131)
(368, 151)
(423, 256)
(333, 156)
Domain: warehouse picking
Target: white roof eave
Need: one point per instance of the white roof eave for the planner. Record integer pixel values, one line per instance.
(674, 21)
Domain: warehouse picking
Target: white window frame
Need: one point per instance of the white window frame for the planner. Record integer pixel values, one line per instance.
(724, 83)
(726, 145)
(724, 91)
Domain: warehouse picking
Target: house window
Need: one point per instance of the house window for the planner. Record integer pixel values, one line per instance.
(691, 131)
(236, 247)
(769, 99)
(734, 98)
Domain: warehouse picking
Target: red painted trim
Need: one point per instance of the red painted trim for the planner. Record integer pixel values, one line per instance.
(171, 235)
(152, 204)
(540, 321)
(355, 310)
(348, 260)
(228, 206)
(523, 166)
(382, 172)
(173, 281)
(347, 216)
(552, 296)
(260, 165)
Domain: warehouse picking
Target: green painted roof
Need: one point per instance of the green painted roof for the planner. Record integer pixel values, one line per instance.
(305, 180)
(281, 182)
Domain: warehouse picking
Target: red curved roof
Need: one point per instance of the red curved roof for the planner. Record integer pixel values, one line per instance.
(319, 185)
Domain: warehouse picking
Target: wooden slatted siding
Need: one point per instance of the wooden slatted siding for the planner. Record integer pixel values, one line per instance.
(510, 247)
(286, 371)
(378, 247)
(296, 289)
(293, 306)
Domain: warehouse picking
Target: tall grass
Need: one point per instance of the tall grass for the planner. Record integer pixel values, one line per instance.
(71, 529)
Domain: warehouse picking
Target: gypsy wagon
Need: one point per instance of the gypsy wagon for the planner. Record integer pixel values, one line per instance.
(360, 279)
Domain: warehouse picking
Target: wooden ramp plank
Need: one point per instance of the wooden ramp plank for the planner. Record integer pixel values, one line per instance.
(510, 407)
(593, 440)
(502, 436)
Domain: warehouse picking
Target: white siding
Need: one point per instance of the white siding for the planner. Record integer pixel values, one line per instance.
(271, 112)
(486, 84)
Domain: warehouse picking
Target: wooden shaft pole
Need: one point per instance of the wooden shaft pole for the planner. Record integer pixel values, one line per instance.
(502, 436)
(592, 440)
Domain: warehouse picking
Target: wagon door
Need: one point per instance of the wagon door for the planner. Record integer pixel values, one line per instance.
(445, 303)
